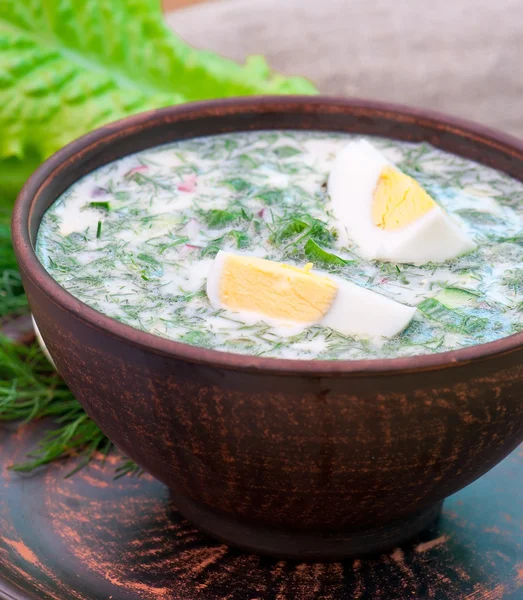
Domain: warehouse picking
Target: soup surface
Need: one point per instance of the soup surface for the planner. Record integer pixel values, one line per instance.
(136, 240)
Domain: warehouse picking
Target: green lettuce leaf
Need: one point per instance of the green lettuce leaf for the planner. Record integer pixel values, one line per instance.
(14, 172)
(68, 66)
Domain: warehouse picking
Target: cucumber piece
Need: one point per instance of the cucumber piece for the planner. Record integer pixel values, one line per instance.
(453, 297)
(451, 319)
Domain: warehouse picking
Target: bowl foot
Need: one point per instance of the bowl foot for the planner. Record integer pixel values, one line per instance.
(305, 545)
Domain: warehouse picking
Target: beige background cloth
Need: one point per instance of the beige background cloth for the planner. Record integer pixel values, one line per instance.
(463, 57)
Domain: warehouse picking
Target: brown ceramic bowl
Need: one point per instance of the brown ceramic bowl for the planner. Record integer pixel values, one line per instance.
(311, 459)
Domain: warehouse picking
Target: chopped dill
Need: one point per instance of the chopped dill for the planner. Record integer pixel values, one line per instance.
(101, 205)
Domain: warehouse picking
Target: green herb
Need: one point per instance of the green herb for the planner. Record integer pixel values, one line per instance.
(149, 259)
(477, 217)
(321, 233)
(12, 297)
(317, 254)
(247, 162)
(101, 205)
(218, 219)
(270, 197)
(143, 180)
(238, 184)
(452, 319)
(240, 239)
(300, 229)
(515, 239)
(99, 230)
(128, 468)
(513, 279)
(392, 272)
(151, 267)
(198, 338)
(30, 390)
(286, 151)
(122, 196)
(289, 230)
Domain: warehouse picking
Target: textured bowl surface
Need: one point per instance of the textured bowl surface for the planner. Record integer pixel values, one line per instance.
(296, 457)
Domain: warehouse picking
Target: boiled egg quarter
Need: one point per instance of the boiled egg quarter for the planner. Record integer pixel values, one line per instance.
(387, 213)
(284, 295)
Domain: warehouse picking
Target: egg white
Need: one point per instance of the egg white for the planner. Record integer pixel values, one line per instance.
(434, 237)
(361, 312)
(356, 311)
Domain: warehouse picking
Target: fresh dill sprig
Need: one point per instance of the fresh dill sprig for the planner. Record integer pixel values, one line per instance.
(128, 467)
(30, 390)
(12, 297)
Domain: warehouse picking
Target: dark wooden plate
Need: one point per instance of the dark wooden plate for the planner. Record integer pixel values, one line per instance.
(90, 537)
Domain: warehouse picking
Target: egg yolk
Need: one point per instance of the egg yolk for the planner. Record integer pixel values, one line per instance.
(398, 200)
(275, 290)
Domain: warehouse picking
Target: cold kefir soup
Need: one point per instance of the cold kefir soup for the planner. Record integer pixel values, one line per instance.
(299, 245)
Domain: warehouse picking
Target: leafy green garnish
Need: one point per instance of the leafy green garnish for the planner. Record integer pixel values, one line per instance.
(286, 151)
(101, 205)
(477, 217)
(150, 267)
(148, 259)
(238, 184)
(99, 230)
(30, 390)
(513, 279)
(240, 238)
(270, 197)
(452, 319)
(12, 297)
(218, 218)
(393, 272)
(247, 162)
(514, 239)
(289, 230)
(317, 254)
(199, 338)
(302, 228)
(321, 233)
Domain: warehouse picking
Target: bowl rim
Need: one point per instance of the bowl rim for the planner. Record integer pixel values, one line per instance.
(33, 269)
